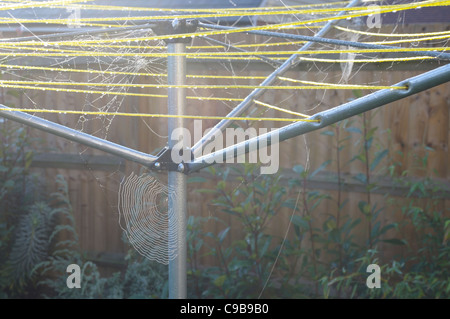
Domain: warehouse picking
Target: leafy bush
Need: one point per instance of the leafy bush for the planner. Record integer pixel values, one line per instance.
(38, 238)
(141, 278)
(24, 222)
(244, 265)
(325, 255)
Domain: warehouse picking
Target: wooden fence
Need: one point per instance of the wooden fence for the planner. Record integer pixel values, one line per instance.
(406, 128)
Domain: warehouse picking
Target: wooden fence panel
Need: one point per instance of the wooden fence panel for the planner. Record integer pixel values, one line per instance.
(405, 127)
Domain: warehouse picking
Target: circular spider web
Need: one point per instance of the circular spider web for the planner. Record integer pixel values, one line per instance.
(150, 224)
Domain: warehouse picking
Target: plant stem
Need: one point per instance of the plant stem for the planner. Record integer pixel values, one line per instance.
(367, 168)
(311, 234)
(223, 261)
(339, 194)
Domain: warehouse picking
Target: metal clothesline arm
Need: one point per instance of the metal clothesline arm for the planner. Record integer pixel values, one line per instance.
(414, 85)
(77, 136)
(248, 101)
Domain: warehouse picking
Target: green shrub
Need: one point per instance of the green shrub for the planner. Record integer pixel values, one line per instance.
(327, 260)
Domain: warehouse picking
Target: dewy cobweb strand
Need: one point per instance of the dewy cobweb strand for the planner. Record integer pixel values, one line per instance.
(150, 224)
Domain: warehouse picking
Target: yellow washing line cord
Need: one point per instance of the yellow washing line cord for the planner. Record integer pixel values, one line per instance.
(143, 9)
(387, 35)
(417, 58)
(214, 14)
(384, 60)
(198, 117)
(312, 85)
(193, 76)
(338, 86)
(19, 46)
(263, 27)
(225, 14)
(165, 96)
(40, 4)
(441, 37)
(204, 76)
(280, 109)
(220, 54)
(156, 47)
(200, 98)
(42, 68)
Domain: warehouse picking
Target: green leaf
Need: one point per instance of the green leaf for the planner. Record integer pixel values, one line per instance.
(299, 169)
(265, 246)
(357, 93)
(196, 179)
(221, 185)
(330, 224)
(447, 223)
(198, 245)
(364, 207)
(360, 177)
(378, 157)
(369, 142)
(212, 170)
(207, 191)
(344, 202)
(300, 221)
(395, 241)
(353, 130)
(329, 133)
(321, 167)
(386, 228)
(223, 234)
(418, 185)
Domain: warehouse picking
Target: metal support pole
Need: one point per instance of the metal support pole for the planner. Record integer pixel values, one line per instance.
(176, 68)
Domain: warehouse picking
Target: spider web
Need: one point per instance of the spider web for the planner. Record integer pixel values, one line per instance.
(150, 224)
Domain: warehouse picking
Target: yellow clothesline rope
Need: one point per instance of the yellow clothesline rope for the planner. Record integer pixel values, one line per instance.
(40, 4)
(441, 37)
(263, 27)
(194, 76)
(19, 46)
(392, 34)
(312, 85)
(144, 47)
(214, 14)
(384, 60)
(221, 54)
(201, 98)
(280, 109)
(343, 86)
(140, 9)
(200, 117)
